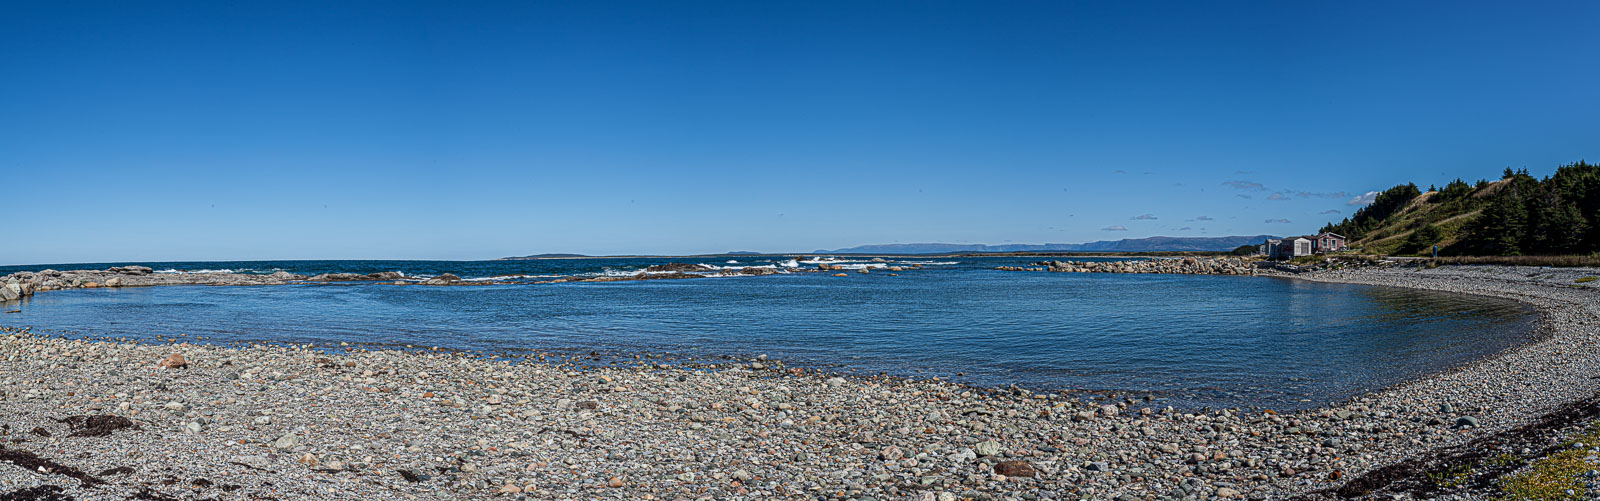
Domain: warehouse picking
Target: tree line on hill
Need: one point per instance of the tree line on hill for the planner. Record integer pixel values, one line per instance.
(1519, 215)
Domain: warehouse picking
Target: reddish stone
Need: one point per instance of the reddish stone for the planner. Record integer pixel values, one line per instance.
(1014, 468)
(175, 361)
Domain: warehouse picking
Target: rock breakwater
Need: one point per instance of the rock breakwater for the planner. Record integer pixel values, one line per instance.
(1227, 265)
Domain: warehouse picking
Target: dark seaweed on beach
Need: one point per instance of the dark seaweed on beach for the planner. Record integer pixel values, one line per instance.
(149, 495)
(39, 493)
(95, 426)
(32, 462)
(1408, 476)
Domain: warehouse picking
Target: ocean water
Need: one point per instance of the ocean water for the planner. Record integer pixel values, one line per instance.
(1188, 341)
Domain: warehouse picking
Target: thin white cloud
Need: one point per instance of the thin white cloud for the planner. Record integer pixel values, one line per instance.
(1203, 218)
(1277, 196)
(1365, 199)
(1329, 211)
(1278, 221)
(1144, 217)
(1313, 194)
(1245, 185)
(1114, 228)
(1186, 228)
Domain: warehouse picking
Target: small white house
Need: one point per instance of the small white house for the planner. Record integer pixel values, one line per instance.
(1295, 247)
(1287, 248)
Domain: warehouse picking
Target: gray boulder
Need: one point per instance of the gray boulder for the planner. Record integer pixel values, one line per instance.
(131, 270)
(284, 275)
(338, 277)
(443, 279)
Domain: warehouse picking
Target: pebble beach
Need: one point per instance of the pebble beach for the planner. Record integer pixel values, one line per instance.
(101, 419)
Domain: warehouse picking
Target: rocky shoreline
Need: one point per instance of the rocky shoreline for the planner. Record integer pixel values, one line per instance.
(258, 422)
(26, 283)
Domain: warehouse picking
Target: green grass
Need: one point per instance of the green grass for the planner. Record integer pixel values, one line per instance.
(1305, 260)
(1557, 476)
(1571, 261)
(1456, 476)
(1552, 478)
(1507, 460)
(1585, 280)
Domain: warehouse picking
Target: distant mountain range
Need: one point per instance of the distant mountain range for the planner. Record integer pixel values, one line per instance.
(540, 256)
(1151, 244)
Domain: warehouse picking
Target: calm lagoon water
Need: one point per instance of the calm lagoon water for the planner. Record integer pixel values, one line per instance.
(1188, 340)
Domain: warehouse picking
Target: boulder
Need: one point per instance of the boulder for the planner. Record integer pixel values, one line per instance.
(338, 277)
(1014, 469)
(129, 270)
(174, 361)
(386, 275)
(678, 267)
(443, 279)
(987, 448)
(284, 275)
(751, 270)
(114, 282)
(7, 294)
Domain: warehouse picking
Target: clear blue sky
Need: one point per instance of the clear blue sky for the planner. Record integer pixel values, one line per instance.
(275, 130)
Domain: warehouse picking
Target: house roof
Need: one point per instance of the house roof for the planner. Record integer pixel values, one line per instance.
(1330, 234)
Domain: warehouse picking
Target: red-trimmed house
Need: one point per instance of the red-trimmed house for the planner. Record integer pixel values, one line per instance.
(1326, 241)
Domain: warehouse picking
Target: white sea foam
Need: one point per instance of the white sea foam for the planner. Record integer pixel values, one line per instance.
(859, 266)
(612, 272)
(733, 261)
(507, 277)
(820, 260)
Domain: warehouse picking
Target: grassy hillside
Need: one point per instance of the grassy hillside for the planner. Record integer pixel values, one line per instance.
(1391, 234)
(1514, 216)
(1451, 219)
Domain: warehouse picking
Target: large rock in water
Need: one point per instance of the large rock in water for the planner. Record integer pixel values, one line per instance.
(338, 277)
(678, 267)
(9, 294)
(284, 275)
(131, 270)
(443, 279)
